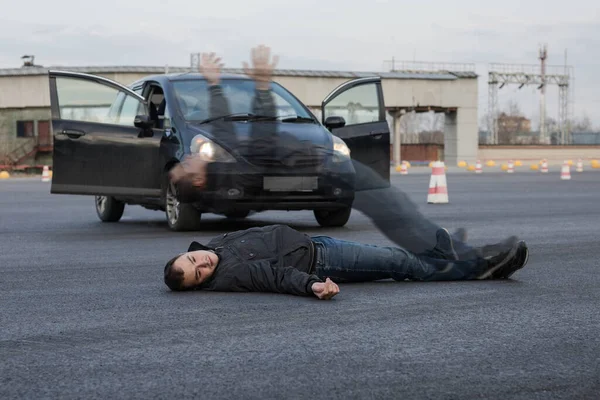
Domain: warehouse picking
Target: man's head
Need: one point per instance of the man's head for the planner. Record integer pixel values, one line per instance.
(188, 270)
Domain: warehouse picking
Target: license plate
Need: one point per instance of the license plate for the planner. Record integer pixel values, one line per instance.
(290, 183)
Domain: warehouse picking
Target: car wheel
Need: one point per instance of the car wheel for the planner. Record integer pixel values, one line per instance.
(109, 209)
(238, 214)
(180, 216)
(329, 218)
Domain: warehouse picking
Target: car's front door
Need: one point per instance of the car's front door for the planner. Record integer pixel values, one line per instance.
(365, 131)
(95, 140)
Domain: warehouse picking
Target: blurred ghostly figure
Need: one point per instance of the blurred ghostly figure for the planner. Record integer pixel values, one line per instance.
(390, 209)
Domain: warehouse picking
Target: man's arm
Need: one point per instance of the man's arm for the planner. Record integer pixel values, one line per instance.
(261, 276)
(262, 73)
(211, 66)
(191, 172)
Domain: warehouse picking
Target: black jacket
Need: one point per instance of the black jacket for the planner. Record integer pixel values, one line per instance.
(274, 258)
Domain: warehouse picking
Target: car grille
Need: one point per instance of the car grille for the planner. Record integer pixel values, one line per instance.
(289, 162)
(310, 157)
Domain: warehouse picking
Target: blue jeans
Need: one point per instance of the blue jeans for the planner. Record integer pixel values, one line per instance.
(397, 216)
(344, 261)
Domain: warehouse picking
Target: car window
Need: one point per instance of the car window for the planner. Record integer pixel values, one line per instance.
(131, 107)
(193, 99)
(89, 101)
(357, 105)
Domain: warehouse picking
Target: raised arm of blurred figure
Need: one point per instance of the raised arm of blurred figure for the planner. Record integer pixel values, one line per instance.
(192, 170)
(211, 66)
(262, 73)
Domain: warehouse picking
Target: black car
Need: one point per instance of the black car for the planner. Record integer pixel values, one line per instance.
(118, 143)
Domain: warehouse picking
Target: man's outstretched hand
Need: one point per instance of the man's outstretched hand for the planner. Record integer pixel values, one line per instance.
(262, 66)
(210, 66)
(325, 290)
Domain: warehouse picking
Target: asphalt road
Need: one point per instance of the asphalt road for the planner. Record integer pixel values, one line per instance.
(84, 312)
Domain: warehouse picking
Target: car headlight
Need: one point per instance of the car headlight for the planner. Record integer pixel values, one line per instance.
(341, 152)
(209, 151)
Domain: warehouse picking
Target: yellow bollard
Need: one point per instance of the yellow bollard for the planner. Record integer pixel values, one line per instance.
(398, 168)
(462, 164)
(4, 175)
(490, 163)
(504, 167)
(570, 162)
(471, 168)
(518, 163)
(535, 167)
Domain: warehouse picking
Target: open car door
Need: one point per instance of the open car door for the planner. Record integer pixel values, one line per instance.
(355, 112)
(99, 139)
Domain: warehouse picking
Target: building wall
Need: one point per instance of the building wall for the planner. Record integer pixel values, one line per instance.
(555, 155)
(24, 91)
(8, 125)
(32, 91)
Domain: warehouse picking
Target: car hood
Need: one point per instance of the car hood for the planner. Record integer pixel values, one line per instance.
(276, 139)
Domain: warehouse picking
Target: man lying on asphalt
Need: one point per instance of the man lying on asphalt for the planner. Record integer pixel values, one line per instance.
(390, 209)
(279, 259)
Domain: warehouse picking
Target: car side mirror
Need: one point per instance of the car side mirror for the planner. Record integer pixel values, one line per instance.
(145, 124)
(334, 122)
(142, 122)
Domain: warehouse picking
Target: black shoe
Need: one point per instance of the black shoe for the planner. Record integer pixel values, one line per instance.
(505, 260)
(444, 248)
(519, 262)
(491, 250)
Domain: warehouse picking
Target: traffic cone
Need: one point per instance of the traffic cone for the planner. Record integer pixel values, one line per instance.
(511, 167)
(46, 174)
(438, 189)
(565, 173)
(403, 168)
(478, 169)
(579, 166)
(544, 168)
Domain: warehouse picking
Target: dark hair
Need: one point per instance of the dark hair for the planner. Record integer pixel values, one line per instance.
(173, 275)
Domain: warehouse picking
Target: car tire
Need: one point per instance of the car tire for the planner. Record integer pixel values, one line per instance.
(333, 218)
(180, 216)
(237, 214)
(109, 209)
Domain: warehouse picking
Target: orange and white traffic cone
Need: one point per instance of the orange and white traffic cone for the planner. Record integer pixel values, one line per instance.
(511, 167)
(544, 168)
(403, 168)
(565, 173)
(46, 174)
(478, 169)
(438, 189)
(579, 167)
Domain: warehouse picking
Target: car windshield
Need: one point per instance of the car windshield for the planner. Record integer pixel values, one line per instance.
(193, 99)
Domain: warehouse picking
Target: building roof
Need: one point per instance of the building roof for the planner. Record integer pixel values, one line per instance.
(441, 75)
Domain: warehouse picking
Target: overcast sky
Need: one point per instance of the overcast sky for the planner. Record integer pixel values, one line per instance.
(310, 34)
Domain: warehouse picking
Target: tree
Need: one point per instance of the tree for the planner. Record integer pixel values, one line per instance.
(513, 109)
(583, 124)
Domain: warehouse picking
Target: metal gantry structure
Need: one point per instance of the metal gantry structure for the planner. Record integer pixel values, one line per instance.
(540, 76)
(194, 61)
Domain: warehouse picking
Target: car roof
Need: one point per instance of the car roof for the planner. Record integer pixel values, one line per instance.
(184, 76)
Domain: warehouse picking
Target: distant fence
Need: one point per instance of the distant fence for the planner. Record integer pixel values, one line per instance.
(532, 138)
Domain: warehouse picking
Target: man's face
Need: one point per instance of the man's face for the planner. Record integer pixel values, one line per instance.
(197, 266)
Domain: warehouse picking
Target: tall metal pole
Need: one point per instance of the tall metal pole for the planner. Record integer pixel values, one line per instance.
(543, 134)
(492, 107)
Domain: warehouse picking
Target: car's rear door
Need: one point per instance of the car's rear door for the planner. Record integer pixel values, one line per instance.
(366, 132)
(95, 140)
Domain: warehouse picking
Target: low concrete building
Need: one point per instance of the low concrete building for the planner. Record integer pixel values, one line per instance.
(25, 129)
